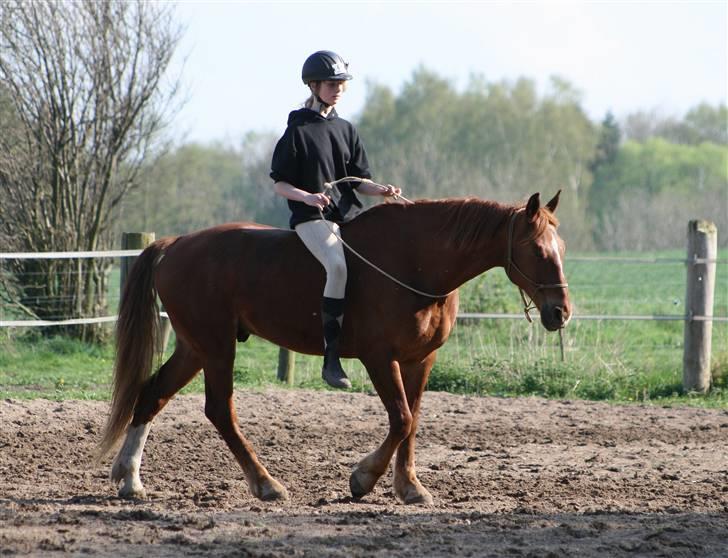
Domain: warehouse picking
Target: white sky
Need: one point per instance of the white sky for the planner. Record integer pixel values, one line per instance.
(244, 59)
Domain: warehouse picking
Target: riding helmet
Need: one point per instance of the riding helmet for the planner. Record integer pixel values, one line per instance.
(325, 65)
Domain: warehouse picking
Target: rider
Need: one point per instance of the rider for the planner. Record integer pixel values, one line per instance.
(319, 147)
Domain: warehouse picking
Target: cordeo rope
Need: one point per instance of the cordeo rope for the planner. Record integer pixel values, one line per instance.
(329, 186)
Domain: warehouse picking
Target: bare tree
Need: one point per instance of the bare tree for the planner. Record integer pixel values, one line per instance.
(83, 97)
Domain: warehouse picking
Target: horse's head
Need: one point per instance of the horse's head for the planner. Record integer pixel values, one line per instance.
(534, 261)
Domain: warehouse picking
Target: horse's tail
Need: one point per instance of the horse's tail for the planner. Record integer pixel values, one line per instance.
(137, 334)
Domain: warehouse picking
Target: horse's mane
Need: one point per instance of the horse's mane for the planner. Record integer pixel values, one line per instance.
(468, 219)
(463, 221)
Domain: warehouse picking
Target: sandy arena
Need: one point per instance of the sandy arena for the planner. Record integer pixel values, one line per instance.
(510, 477)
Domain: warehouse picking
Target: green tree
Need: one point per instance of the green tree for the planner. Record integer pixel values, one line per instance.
(494, 140)
(603, 167)
(196, 186)
(702, 123)
(654, 188)
(706, 123)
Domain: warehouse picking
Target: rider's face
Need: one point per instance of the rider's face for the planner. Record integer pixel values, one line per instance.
(331, 91)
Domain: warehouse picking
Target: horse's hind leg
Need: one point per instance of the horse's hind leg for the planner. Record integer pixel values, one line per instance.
(220, 409)
(159, 389)
(407, 486)
(387, 380)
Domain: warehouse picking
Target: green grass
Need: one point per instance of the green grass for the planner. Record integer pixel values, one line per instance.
(59, 368)
(606, 360)
(54, 367)
(624, 361)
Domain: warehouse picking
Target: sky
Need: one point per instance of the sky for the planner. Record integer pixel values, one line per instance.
(240, 62)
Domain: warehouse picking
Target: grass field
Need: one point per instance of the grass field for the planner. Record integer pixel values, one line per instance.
(613, 360)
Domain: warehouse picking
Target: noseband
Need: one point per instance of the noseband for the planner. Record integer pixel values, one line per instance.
(528, 305)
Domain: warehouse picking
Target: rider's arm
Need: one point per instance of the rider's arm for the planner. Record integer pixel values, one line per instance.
(372, 189)
(289, 191)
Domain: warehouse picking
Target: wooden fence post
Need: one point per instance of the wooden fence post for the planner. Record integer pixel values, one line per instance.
(702, 253)
(286, 365)
(139, 241)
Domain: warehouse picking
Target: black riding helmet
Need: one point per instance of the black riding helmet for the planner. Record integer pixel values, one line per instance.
(325, 65)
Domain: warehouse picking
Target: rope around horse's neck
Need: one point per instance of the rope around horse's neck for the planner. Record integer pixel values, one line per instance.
(330, 185)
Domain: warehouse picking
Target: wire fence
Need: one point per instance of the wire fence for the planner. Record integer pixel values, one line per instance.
(600, 289)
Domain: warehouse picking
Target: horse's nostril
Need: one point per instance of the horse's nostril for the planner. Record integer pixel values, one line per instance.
(558, 313)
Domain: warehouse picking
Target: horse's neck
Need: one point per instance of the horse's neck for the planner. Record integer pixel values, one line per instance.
(472, 246)
(457, 246)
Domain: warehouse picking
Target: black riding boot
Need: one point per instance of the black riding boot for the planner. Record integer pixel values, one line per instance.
(332, 314)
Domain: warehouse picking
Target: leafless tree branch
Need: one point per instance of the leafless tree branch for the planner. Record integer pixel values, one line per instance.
(83, 101)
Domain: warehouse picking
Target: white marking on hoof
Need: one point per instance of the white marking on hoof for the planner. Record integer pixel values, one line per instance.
(125, 470)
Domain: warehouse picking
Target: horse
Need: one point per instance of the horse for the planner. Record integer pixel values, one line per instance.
(221, 285)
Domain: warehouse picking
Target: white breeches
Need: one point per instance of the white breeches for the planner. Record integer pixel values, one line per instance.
(328, 250)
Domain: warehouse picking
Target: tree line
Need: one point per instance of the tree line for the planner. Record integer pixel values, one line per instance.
(627, 185)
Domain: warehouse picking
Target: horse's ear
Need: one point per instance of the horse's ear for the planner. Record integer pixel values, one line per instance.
(533, 205)
(551, 206)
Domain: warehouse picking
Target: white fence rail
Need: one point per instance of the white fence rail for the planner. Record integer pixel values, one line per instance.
(462, 315)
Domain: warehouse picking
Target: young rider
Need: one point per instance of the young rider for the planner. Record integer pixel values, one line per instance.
(319, 147)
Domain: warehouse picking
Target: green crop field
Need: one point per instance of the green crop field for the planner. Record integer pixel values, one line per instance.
(605, 359)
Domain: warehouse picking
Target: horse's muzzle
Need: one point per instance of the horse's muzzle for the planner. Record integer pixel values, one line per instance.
(554, 317)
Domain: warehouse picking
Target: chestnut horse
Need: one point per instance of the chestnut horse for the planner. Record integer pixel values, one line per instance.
(225, 283)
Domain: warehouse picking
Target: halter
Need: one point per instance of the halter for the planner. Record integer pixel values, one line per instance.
(528, 305)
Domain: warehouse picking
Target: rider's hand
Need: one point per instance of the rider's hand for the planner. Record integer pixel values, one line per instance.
(390, 191)
(319, 201)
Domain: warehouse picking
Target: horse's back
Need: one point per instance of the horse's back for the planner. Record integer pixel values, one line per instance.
(246, 275)
(218, 246)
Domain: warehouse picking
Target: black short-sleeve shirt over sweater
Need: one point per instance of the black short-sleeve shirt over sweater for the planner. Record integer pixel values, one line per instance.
(315, 149)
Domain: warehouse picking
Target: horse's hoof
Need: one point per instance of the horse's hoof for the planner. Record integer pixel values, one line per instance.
(132, 492)
(419, 498)
(272, 490)
(412, 492)
(361, 484)
(357, 491)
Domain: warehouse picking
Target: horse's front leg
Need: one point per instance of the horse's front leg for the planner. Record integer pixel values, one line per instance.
(387, 381)
(407, 486)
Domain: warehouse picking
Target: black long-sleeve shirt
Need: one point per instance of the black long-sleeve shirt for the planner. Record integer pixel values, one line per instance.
(315, 149)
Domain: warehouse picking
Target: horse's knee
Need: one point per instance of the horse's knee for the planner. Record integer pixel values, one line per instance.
(213, 412)
(400, 425)
(218, 415)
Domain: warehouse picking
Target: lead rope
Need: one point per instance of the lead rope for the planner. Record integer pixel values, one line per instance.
(329, 186)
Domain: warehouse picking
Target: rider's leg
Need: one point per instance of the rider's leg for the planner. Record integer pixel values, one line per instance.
(327, 249)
